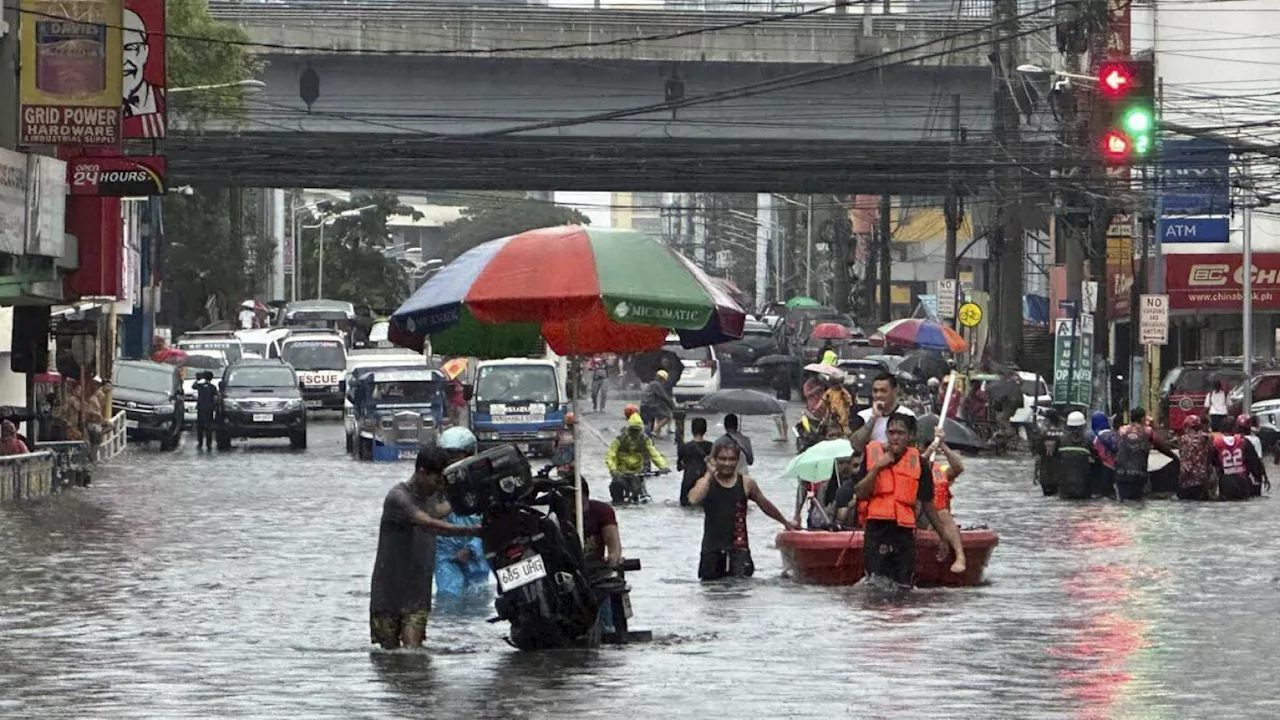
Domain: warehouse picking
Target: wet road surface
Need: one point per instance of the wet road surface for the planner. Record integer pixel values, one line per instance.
(236, 585)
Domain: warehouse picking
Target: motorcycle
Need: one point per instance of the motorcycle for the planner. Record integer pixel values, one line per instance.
(630, 489)
(547, 591)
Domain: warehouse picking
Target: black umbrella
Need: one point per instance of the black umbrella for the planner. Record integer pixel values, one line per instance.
(647, 365)
(740, 402)
(1006, 392)
(929, 363)
(958, 435)
(768, 360)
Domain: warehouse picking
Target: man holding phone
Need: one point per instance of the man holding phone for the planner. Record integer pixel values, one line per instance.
(896, 483)
(871, 424)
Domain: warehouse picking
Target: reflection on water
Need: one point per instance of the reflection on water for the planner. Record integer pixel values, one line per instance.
(236, 585)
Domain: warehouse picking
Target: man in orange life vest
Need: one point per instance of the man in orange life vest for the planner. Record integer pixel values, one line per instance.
(896, 482)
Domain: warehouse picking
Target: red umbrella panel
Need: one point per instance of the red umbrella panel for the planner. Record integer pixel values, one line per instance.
(831, 331)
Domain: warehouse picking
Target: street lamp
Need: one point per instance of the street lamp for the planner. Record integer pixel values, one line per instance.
(1037, 70)
(320, 262)
(249, 86)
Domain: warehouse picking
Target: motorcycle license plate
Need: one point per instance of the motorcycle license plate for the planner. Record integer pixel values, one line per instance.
(263, 417)
(521, 573)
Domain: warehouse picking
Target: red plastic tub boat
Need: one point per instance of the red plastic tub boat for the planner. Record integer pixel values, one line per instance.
(819, 557)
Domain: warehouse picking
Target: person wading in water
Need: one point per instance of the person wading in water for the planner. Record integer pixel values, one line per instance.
(1135, 442)
(895, 484)
(723, 493)
(400, 591)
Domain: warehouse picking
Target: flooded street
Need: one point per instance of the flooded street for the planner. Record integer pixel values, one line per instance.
(236, 585)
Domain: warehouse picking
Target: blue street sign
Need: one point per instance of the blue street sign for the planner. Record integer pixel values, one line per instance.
(1193, 230)
(1195, 178)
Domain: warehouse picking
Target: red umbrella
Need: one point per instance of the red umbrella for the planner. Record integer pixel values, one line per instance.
(831, 331)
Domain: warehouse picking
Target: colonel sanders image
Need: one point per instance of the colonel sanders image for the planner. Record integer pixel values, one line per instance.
(139, 97)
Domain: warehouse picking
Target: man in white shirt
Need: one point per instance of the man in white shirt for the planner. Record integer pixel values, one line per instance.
(870, 424)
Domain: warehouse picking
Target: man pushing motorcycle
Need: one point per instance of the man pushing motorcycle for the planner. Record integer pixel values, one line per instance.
(626, 459)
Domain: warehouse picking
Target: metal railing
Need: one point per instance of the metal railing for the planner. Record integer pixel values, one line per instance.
(27, 476)
(114, 439)
(72, 462)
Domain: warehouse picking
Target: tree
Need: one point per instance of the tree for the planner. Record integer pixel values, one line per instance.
(209, 263)
(203, 51)
(206, 273)
(482, 224)
(356, 263)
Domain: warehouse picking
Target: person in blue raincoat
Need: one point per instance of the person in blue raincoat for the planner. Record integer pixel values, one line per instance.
(461, 568)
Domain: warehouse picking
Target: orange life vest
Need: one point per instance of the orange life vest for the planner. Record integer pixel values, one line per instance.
(894, 496)
(941, 489)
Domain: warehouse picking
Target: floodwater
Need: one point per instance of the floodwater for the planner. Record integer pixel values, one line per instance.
(236, 585)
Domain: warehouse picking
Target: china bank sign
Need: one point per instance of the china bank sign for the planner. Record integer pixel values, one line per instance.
(1216, 282)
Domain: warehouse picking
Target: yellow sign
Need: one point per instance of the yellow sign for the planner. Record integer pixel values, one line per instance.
(71, 72)
(969, 315)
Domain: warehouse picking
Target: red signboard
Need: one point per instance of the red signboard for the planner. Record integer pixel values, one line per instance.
(118, 176)
(1215, 281)
(95, 221)
(144, 70)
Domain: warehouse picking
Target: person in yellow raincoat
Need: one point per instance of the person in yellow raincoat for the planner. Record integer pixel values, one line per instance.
(626, 459)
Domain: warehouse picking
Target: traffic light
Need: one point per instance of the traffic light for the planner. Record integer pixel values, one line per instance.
(1126, 110)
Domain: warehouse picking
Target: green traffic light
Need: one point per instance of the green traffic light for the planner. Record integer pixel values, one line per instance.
(1141, 144)
(1138, 121)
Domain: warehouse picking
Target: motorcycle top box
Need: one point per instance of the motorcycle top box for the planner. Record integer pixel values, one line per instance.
(498, 474)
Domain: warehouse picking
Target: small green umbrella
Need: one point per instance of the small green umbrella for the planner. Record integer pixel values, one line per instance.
(816, 463)
(802, 301)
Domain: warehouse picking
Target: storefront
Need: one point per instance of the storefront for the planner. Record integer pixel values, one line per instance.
(1206, 302)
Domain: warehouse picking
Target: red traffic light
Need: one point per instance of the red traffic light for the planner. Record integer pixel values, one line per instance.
(1115, 78)
(1115, 145)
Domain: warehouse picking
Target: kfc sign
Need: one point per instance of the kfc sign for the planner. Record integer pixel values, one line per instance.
(1216, 281)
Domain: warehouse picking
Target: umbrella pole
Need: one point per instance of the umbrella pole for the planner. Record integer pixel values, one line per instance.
(946, 405)
(578, 509)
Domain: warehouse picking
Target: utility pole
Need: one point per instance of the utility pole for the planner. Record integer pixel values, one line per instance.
(9, 21)
(1011, 245)
(953, 213)
(842, 244)
(886, 272)
(871, 280)
(808, 249)
(1246, 264)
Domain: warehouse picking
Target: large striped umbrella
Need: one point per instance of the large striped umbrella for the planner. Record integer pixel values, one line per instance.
(919, 333)
(585, 290)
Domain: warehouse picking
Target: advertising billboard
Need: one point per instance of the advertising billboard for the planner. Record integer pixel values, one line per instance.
(70, 81)
(1215, 281)
(116, 176)
(143, 73)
